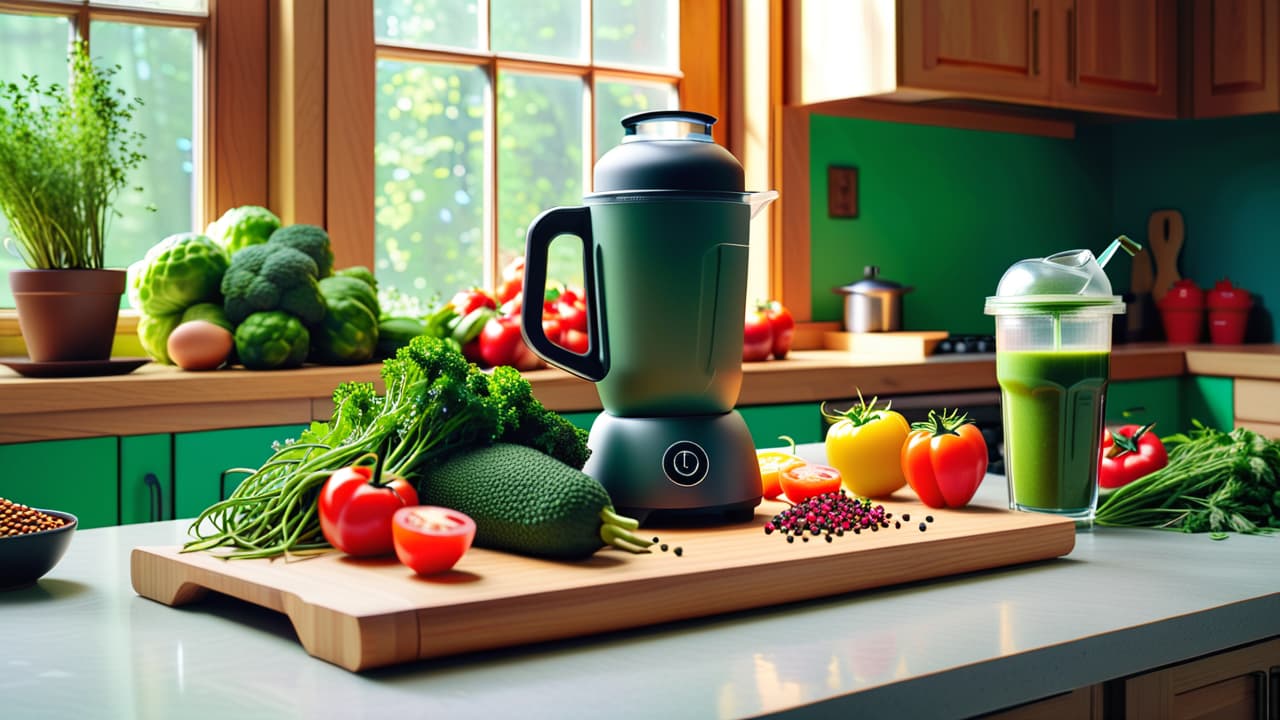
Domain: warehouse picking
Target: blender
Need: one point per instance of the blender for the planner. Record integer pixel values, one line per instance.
(665, 239)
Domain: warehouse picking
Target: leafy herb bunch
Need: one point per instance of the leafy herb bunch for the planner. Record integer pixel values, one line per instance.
(1215, 482)
(65, 153)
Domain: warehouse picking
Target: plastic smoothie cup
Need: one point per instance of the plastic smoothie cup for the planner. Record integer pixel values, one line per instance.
(1053, 351)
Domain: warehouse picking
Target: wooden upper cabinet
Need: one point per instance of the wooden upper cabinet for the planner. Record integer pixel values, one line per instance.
(995, 49)
(1235, 57)
(1116, 57)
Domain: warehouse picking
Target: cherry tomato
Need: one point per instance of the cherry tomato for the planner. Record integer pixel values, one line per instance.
(801, 482)
(355, 511)
(944, 460)
(501, 344)
(782, 325)
(865, 443)
(514, 269)
(573, 314)
(757, 337)
(574, 341)
(470, 299)
(431, 539)
(508, 289)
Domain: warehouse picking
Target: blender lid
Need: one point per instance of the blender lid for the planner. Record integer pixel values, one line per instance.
(668, 150)
(1066, 281)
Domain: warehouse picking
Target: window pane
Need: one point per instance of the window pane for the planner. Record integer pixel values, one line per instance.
(643, 33)
(430, 177)
(616, 100)
(158, 65)
(454, 23)
(28, 46)
(540, 161)
(552, 28)
(186, 7)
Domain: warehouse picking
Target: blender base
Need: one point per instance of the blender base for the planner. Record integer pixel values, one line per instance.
(677, 469)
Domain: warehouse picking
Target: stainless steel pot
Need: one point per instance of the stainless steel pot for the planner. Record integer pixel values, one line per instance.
(872, 304)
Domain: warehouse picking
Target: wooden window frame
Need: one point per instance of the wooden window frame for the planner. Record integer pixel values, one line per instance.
(350, 55)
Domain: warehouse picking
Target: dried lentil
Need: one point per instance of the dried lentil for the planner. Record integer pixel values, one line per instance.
(18, 519)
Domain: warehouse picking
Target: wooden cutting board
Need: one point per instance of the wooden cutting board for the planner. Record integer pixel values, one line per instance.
(1165, 234)
(906, 343)
(362, 614)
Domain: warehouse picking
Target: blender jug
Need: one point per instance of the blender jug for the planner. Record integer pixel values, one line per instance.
(665, 242)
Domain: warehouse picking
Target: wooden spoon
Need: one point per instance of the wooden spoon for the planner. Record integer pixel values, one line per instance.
(1164, 237)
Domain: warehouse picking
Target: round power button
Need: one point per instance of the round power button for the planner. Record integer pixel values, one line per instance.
(685, 463)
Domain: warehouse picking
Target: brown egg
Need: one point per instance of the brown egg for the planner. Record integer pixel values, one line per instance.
(199, 345)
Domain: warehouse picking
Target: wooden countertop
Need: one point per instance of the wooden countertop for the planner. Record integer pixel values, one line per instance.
(160, 399)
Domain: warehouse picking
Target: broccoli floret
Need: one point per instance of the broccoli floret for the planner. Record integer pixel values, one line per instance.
(312, 241)
(525, 421)
(272, 277)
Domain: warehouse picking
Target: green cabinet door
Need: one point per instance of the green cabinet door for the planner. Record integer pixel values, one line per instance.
(799, 421)
(200, 460)
(146, 478)
(75, 476)
(1138, 402)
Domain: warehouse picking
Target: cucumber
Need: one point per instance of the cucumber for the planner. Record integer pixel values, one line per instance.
(396, 332)
(526, 502)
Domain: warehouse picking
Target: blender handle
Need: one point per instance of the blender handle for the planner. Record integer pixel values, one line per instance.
(594, 364)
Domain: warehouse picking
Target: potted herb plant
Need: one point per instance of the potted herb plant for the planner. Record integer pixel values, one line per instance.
(65, 154)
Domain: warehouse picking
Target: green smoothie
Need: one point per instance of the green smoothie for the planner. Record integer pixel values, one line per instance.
(1053, 426)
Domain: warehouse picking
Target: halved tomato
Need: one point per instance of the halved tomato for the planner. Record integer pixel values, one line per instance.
(431, 539)
(772, 463)
(801, 482)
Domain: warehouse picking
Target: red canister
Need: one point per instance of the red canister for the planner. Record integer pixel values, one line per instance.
(1182, 312)
(1228, 313)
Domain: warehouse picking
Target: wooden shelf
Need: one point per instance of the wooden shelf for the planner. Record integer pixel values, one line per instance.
(157, 399)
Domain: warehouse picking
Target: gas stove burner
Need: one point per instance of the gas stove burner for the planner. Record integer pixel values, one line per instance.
(966, 344)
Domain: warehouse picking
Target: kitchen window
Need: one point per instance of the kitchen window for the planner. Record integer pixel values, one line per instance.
(491, 111)
(158, 45)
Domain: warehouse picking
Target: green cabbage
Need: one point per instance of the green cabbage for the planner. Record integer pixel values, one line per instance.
(176, 273)
(240, 227)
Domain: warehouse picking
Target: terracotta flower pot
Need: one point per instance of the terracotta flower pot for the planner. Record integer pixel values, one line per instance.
(67, 315)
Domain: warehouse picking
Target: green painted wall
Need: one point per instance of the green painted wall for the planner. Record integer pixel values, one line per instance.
(947, 211)
(1223, 175)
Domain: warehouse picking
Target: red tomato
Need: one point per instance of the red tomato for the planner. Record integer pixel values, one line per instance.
(431, 539)
(514, 269)
(1129, 454)
(355, 513)
(470, 299)
(782, 325)
(574, 341)
(944, 460)
(508, 289)
(573, 315)
(501, 344)
(758, 337)
(801, 482)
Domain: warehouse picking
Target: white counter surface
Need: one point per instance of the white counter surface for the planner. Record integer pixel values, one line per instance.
(82, 644)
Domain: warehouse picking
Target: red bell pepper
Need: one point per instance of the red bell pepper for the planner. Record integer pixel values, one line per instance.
(1129, 453)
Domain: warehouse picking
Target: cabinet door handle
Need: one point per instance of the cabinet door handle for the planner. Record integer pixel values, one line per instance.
(157, 496)
(1273, 696)
(1035, 41)
(222, 479)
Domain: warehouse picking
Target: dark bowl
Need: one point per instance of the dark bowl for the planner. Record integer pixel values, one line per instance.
(25, 559)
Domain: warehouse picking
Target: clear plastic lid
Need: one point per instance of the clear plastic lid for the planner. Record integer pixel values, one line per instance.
(1068, 281)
